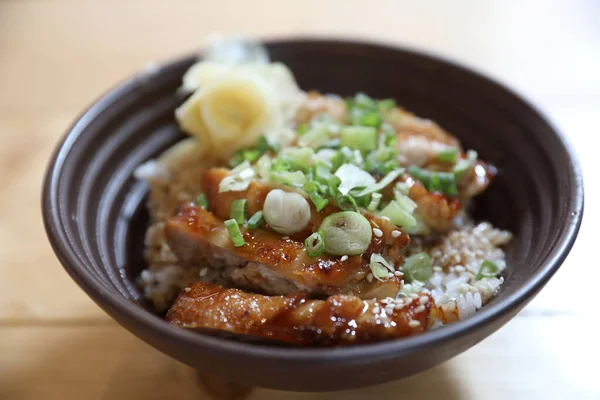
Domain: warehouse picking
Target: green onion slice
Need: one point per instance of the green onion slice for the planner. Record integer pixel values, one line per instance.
(374, 203)
(375, 187)
(202, 200)
(447, 183)
(417, 267)
(317, 200)
(399, 214)
(448, 155)
(296, 178)
(463, 164)
(351, 177)
(346, 203)
(380, 268)
(238, 179)
(346, 233)
(488, 270)
(264, 144)
(256, 220)
(234, 232)
(386, 104)
(363, 138)
(238, 211)
(314, 245)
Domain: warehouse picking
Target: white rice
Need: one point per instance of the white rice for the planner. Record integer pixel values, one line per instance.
(457, 260)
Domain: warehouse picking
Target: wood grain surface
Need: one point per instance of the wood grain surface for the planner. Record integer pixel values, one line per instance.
(56, 56)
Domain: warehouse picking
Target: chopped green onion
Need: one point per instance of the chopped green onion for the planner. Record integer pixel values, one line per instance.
(463, 164)
(314, 137)
(302, 129)
(401, 188)
(234, 232)
(370, 119)
(346, 233)
(399, 215)
(444, 182)
(434, 183)
(488, 270)
(280, 164)
(264, 144)
(420, 228)
(346, 202)
(417, 267)
(321, 173)
(333, 184)
(236, 160)
(380, 268)
(202, 200)
(295, 178)
(352, 177)
(447, 183)
(238, 211)
(386, 104)
(389, 178)
(238, 179)
(338, 160)
(317, 200)
(420, 174)
(263, 167)
(298, 157)
(374, 203)
(363, 101)
(389, 135)
(448, 155)
(314, 245)
(256, 220)
(363, 138)
(331, 144)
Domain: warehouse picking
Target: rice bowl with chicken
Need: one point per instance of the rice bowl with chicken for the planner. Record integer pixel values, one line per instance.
(310, 219)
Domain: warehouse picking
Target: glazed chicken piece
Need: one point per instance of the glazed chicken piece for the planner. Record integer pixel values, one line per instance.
(271, 263)
(294, 319)
(436, 209)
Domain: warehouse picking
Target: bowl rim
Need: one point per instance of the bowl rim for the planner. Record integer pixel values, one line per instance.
(113, 303)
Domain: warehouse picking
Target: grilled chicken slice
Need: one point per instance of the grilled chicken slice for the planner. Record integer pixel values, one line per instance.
(197, 236)
(294, 319)
(255, 194)
(436, 209)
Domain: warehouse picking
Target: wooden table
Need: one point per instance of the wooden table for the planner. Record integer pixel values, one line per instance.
(56, 56)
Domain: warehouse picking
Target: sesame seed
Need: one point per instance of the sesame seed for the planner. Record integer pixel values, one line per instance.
(344, 258)
(396, 233)
(187, 289)
(370, 277)
(376, 310)
(419, 309)
(460, 268)
(385, 218)
(414, 296)
(285, 237)
(408, 301)
(423, 299)
(398, 273)
(204, 271)
(377, 232)
(437, 269)
(413, 323)
(390, 275)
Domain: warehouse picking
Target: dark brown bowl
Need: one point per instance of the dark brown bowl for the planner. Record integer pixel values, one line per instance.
(95, 215)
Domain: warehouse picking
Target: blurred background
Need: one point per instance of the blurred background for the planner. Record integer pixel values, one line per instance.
(56, 56)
